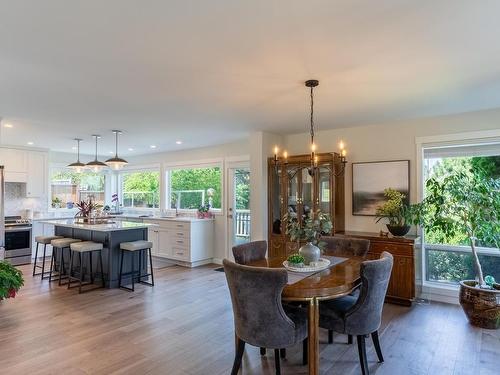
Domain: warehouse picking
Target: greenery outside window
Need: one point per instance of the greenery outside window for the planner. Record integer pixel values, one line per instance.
(68, 187)
(140, 189)
(447, 258)
(191, 187)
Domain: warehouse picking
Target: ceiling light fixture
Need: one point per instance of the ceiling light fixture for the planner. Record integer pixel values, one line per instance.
(30, 143)
(116, 162)
(6, 125)
(152, 146)
(131, 149)
(78, 166)
(95, 164)
(178, 142)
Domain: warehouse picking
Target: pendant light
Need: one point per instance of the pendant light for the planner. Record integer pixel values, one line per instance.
(95, 164)
(77, 166)
(116, 162)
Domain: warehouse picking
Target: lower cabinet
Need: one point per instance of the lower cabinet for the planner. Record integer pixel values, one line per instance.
(187, 243)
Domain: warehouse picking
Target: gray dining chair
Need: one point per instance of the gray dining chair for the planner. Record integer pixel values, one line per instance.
(260, 319)
(250, 252)
(346, 246)
(361, 316)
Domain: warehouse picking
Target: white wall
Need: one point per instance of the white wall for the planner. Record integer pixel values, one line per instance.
(390, 141)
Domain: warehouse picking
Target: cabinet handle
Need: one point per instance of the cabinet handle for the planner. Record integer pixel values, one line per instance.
(180, 253)
(179, 241)
(180, 234)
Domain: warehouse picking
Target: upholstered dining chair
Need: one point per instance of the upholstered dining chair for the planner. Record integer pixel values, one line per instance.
(361, 316)
(346, 246)
(260, 319)
(250, 252)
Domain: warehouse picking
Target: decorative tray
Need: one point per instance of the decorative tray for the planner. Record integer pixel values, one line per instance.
(320, 265)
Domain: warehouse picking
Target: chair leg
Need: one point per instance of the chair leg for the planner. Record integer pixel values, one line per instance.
(304, 351)
(283, 353)
(330, 336)
(151, 265)
(43, 260)
(376, 343)
(121, 269)
(362, 354)
(36, 256)
(51, 264)
(240, 348)
(277, 361)
(262, 351)
(70, 272)
(61, 265)
(91, 268)
(102, 269)
(82, 275)
(349, 339)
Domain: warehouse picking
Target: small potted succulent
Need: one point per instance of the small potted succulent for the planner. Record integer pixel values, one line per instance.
(204, 211)
(11, 280)
(398, 213)
(296, 260)
(310, 231)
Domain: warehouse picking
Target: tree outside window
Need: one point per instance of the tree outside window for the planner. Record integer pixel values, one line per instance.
(141, 189)
(68, 187)
(190, 188)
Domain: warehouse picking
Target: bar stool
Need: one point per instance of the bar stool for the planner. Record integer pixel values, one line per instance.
(61, 244)
(44, 240)
(132, 247)
(82, 248)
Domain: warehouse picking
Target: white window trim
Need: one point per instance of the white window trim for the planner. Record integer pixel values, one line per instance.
(477, 137)
(139, 168)
(205, 163)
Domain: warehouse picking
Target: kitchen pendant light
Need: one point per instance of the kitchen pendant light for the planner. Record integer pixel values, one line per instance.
(116, 162)
(77, 166)
(95, 164)
(312, 83)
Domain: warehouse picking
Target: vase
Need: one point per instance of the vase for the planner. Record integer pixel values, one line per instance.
(481, 306)
(398, 230)
(310, 252)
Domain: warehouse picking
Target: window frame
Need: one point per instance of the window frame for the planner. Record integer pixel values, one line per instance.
(53, 167)
(138, 168)
(486, 137)
(209, 163)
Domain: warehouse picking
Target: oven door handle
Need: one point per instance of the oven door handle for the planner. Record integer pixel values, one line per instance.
(17, 229)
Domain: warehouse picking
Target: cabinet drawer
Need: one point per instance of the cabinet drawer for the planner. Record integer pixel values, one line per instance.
(180, 253)
(180, 242)
(179, 234)
(395, 249)
(176, 225)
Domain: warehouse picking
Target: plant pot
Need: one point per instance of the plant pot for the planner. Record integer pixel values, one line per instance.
(398, 230)
(310, 252)
(481, 306)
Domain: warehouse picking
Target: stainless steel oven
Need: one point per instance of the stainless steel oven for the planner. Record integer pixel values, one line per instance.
(17, 240)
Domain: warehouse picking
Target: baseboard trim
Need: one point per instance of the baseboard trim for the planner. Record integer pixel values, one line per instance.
(216, 260)
(446, 295)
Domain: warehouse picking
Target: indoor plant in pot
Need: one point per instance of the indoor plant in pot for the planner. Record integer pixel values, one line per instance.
(310, 231)
(85, 210)
(465, 202)
(11, 279)
(399, 214)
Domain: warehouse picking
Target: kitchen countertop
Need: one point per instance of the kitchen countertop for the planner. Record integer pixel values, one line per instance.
(127, 216)
(113, 226)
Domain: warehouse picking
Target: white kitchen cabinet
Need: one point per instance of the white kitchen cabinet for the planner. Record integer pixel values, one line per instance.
(15, 163)
(187, 243)
(36, 184)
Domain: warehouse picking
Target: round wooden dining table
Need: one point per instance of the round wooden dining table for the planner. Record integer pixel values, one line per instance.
(334, 282)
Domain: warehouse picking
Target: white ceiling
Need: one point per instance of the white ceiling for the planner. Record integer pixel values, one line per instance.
(209, 72)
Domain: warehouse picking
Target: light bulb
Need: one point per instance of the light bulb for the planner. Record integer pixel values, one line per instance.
(285, 154)
(341, 145)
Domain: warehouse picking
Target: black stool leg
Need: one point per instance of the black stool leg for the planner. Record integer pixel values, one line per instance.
(121, 269)
(102, 269)
(151, 265)
(43, 260)
(82, 275)
(52, 265)
(91, 268)
(133, 270)
(36, 256)
(70, 271)
(61, 265)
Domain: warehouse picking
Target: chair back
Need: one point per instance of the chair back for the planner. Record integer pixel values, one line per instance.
(366, 315)
(250, 252)
(259, 318)
(346, 246)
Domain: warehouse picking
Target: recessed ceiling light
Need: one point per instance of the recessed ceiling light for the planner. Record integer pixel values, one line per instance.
(152, 146)
(131, 149)
(110, 152)
(178, 142)
(8, 125)
(73, 148)
(30, 143)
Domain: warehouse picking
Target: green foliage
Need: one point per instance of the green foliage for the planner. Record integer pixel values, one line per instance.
(396, 211)
(197, 179)
(296, 259)
(143, 187)
(310, 230)
(90, 180)
(11, 280)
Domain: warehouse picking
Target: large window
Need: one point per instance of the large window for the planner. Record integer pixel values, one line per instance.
(68, 187)
(191, 188)
(448, 258)
(141, 189)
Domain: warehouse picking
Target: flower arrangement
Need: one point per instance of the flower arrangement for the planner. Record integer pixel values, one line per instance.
(310, 230)
(85, 209)
(204, 211)
(11, 280)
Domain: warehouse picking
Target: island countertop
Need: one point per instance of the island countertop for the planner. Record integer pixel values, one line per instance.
(112, 226)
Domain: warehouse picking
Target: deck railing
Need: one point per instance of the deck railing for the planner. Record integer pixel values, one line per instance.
(242, 223)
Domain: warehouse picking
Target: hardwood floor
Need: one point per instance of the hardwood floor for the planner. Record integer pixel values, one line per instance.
(184, 326)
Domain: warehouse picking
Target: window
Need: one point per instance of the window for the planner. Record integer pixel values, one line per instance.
(191, 188)
(448, 259)
(68, 187)
(141, 189)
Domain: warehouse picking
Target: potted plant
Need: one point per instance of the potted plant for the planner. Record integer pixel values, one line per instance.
(204, 211)
(11, 280)
(56, 202)
(399, 214)
(296, 260)
(310, 231)
(465, 202)
(85, 209)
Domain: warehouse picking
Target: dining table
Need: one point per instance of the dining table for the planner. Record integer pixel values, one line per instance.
(341, 279)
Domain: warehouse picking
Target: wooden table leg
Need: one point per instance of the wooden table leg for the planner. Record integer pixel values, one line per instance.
(313, 341)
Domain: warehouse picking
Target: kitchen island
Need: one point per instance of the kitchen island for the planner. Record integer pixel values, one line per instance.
(110, 234)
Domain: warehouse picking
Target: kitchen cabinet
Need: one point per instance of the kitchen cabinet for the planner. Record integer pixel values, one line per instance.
(15, 163)
(36, 183)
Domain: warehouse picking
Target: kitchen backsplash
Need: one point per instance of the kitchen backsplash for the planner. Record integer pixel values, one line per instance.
(16, 202)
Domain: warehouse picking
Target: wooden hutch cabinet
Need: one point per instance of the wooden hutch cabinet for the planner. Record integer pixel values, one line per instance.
(292, 189)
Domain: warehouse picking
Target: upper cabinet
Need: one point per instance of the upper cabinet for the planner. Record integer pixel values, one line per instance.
(26, 166)
(294, 191)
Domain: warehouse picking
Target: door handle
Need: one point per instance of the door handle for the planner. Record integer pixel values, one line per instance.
(229, 216)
